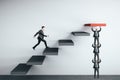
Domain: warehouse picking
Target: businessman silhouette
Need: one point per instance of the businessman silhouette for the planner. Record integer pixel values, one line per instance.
(96, 68)
(96, 35)
(40, 37)
(96, 50)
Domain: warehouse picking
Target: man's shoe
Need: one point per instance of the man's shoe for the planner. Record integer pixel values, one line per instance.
(47, 47)
(33, 48)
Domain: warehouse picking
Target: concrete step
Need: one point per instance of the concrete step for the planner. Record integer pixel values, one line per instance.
(50, 51)
(81, 33)
(36, 60)
(66, 42)
(21, 69)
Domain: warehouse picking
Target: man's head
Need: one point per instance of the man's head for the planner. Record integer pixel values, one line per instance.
(42, 27)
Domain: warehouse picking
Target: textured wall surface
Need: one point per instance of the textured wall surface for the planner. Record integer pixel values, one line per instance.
(21, 19)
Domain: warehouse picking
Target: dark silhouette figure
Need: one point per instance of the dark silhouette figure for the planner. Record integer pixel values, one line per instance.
(96, 68)
(40, 37)
(96, 50)
(96, 35)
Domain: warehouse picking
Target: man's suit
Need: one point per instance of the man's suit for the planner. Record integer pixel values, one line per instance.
(96, 35)
(40, 38)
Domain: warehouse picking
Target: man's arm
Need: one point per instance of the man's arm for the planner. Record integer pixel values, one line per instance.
(99, 30)
(92, 29)
(99, 45)
(36, 34)
(93, 45)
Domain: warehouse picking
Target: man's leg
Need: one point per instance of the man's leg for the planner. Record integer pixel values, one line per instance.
(98, 56)
(94, 73)
(44, 42)
(97, 40)
(94, 56)
(98, 73)
(39, 40)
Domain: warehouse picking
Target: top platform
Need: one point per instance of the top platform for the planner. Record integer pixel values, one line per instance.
(95, 24)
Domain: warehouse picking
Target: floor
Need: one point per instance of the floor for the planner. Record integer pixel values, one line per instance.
(58, 77)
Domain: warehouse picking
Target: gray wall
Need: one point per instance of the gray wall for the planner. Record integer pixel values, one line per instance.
(21, 19)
